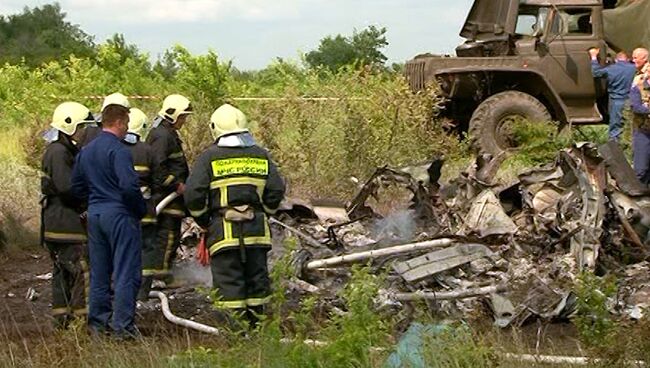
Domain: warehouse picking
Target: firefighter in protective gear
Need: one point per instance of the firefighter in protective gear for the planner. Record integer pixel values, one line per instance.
(143, 164)
(92, 131)
(62, 231)
(169, 160)
(232, 189)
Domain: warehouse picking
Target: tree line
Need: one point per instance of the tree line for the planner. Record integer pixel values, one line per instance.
(42, 34)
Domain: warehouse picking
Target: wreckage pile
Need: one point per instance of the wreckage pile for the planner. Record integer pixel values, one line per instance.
(515, 247)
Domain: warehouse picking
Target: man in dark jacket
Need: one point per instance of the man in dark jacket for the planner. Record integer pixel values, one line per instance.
(62, 231)
(169, 159)
(619, 80)
(104, 174)
(232, 189)
(147, 172)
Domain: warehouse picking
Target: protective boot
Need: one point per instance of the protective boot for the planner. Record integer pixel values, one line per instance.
(61, 322)
(145, 288)
(233, 320)
(253, 315)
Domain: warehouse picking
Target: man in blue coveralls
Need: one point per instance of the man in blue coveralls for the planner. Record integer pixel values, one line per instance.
(104, 175)
(640, 103)
(619, 79)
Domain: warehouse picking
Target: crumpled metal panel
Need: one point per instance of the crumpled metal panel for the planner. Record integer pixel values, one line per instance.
(621, 170)
(487, 217)
(421, 181)
(634, 218)
(546, 198)
(438, 261)
(586, 169)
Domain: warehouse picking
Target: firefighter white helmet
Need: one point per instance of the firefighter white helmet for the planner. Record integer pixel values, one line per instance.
(116, 99)
(174, 106)
(68, 116)
(138, 123)
(227, 120)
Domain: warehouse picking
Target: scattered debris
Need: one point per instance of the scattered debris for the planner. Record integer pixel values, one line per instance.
(516, 247)
(45, 276)
(31, 294)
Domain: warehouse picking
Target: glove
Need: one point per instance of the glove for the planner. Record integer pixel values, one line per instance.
(202, 253)
(83, 217)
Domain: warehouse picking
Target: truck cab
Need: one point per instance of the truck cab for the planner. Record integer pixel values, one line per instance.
(521, 59)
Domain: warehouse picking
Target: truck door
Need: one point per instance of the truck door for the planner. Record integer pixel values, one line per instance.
(570, 33)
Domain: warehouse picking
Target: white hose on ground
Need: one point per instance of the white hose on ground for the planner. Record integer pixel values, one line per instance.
(165, 202)
(552, 359)
(164, 302)
(375, 253)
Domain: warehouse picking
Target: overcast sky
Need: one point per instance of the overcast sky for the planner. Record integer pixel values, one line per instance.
(251, 33)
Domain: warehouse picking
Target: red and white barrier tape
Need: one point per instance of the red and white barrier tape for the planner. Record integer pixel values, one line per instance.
(134, 97)
(138, 97)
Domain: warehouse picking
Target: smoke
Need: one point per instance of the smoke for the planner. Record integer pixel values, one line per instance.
(190, 273)
(398, 225)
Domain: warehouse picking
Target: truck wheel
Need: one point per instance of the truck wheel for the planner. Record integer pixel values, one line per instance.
(491, 127)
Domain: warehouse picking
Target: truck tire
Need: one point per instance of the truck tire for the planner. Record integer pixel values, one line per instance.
(490, 125)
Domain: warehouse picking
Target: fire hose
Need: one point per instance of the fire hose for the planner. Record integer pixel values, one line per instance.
(165, 202)
(164, 303)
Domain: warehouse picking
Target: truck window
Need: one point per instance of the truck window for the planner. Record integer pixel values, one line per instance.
(572, 22)
(530, 21)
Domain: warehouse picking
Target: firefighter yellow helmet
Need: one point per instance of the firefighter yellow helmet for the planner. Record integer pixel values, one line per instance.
(68, 116)
(175, 106)
(226, 120)
(116, 99)
(138, 123)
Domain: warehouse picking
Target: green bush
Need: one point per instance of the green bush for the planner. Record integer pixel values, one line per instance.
(371, 120)
(593, 320)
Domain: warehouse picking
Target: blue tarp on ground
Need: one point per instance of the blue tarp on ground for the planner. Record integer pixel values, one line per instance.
(409, 348)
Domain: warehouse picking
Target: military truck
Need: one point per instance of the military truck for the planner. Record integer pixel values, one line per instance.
(521, 59)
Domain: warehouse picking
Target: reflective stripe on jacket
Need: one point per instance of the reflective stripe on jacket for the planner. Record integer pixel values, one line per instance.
(169, 158)
(225, 177)
(143, 163)
(61, 221)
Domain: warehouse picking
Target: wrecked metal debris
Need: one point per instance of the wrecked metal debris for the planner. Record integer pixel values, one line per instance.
(419, 268)
(516, 247)
(449, 295)
(377, 253)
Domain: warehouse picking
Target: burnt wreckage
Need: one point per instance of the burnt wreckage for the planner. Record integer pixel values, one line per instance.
(516, 247)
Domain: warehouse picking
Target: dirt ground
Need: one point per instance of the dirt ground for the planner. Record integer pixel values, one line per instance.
(21, 318)
(30, 321)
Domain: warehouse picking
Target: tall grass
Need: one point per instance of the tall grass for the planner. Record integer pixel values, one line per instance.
(373, 120)
(19, 193)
